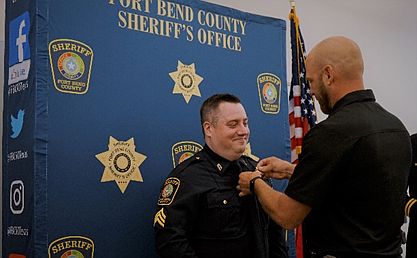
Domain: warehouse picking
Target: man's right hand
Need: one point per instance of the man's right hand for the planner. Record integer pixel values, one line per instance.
(274, 167)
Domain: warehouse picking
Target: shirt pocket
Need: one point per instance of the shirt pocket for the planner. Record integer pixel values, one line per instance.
(223, 214)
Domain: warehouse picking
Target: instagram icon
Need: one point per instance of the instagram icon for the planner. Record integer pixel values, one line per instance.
(17, 197)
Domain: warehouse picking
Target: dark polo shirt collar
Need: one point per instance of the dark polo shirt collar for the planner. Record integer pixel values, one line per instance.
(356, 96)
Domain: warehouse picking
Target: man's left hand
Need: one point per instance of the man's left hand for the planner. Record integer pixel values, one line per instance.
(244, 179)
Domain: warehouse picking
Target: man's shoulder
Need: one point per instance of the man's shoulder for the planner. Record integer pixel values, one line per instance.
(249, 160)
(190, 164)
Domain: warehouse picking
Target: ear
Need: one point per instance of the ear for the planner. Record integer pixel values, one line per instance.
(207, 129)
(328, 75)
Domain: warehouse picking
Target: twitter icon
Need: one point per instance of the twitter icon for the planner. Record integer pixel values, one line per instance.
(17, 123)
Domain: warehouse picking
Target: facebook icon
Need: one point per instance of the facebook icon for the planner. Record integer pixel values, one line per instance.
(19, 50)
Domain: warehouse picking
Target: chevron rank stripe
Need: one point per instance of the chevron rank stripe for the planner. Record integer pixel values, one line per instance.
(160, 218)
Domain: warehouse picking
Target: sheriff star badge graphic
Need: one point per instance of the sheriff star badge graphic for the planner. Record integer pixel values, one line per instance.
(248, 152)
(186, 81)
(121, 163)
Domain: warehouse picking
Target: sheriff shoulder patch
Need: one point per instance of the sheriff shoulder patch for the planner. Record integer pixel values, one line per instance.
(169, 191)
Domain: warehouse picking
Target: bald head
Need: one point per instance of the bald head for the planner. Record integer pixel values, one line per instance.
(343, 54)
(334, 68)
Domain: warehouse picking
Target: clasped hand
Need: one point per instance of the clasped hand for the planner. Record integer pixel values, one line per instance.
(271, 167)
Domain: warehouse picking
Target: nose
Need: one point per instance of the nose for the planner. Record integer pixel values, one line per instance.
(243, 129)
(312, 89)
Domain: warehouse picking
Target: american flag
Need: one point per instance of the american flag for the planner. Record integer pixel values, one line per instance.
(301, 104)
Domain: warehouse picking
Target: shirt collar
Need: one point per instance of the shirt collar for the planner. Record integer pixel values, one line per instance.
(356, 96)
(221, 164)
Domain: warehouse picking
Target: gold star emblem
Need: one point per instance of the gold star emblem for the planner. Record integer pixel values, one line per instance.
(121, 163)
(248, 152)
(186, 81)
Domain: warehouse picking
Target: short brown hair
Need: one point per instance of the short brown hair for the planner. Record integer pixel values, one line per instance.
(210, 105)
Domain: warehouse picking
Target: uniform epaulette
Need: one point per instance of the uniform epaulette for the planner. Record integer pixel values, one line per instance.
(198, 157)
(249, 157)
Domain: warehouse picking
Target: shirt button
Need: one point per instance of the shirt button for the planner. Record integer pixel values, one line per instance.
(224, 202)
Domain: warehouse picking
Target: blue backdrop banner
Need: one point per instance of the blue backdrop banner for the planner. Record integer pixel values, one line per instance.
(101, 102)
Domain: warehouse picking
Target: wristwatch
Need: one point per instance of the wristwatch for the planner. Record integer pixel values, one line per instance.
(252, 184)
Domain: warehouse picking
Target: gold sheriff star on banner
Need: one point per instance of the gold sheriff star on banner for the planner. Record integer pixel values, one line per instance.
(248, 152)
(121, 163)
(186, 81)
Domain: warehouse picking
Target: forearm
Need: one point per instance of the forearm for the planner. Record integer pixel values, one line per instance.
(285, 211)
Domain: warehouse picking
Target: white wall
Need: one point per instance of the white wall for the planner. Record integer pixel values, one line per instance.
(386, 31)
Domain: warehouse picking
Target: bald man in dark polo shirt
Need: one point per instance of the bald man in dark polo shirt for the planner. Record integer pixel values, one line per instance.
(348, 188)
